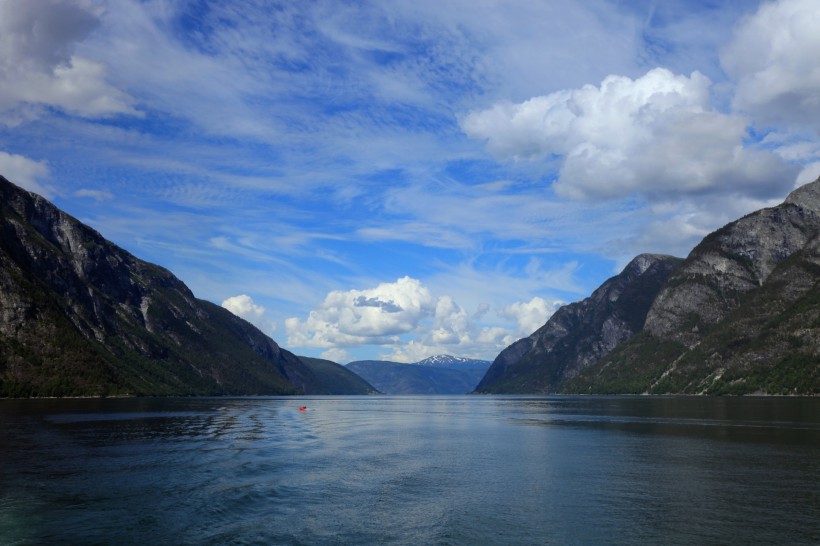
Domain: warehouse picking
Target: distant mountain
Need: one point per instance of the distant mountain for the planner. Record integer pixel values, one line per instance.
(740, 315)
(433, 377)
(333, 378)
(579, 334)
(80, 316)
(454, 362)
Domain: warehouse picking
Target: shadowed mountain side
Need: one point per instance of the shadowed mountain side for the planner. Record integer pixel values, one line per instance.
(333, 378)
(395, 378)
(80, 316)
(580, 333)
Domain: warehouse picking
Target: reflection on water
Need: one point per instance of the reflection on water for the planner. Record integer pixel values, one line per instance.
(410, 470)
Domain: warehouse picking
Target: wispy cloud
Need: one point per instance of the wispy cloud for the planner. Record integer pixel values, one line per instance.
(501, 157)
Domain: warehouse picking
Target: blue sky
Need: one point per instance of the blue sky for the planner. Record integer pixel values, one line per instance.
(407, 178)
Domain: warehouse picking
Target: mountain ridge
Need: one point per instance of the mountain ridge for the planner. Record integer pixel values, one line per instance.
(80, 316)
(453, 362)
(739, 315)
(580, 333)
(460, 376)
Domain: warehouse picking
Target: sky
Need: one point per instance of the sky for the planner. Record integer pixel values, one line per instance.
(402, 178)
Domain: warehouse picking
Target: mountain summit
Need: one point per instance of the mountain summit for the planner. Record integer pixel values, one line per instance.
(454, 362)
(440, 374)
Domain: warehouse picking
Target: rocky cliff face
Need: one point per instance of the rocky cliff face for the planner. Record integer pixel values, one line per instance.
(579, 334)
(740, 315)
(81, 316)
(728, 265)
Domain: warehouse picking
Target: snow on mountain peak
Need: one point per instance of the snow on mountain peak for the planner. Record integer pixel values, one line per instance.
(452, 361)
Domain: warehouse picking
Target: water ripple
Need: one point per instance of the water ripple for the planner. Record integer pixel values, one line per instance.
(409, 470)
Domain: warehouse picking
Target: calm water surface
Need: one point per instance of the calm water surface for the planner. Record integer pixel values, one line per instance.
(410, 470)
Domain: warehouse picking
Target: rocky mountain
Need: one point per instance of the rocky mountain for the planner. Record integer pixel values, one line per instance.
(741, 315)
(579, 334)
(397, 378)
(80, 316)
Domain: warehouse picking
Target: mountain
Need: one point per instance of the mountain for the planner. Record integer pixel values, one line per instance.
(579, 334)
(741, 315)
(80, 316)
(454, 362)
(430, 378)
(333, 378)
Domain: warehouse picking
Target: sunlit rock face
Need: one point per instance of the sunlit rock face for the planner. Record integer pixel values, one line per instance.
(740, 315)
(729, 264)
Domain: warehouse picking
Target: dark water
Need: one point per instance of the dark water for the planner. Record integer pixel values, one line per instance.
(411, 470)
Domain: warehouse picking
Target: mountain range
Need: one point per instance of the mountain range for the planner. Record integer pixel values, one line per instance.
(454, 362)
(740, 315)
(80, 316)
(441, 374)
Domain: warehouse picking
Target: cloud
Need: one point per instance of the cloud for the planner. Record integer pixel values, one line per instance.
(411, 323)
(516, 50)
(810, 173)
(412, 351)
(243, 306)
(97, 195)
(530, 315)
(364, 316)
(25, 172)
(773, 58)
(39, 68)
(336, 355)
(655, 136)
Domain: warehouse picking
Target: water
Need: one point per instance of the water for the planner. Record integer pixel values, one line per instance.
(410, 470)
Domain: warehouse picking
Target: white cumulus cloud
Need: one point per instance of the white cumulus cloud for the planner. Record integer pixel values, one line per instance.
(38, 66)
(656, 136)
(336, 355)
(774, 58)
(530, 315)
(411, 323)
(810, 173)
(25, 172)
(364, 316)
(243, 306)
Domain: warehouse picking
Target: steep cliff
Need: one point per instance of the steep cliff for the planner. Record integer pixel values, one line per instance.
(579, 334)
(81, 316)
(740, 315)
